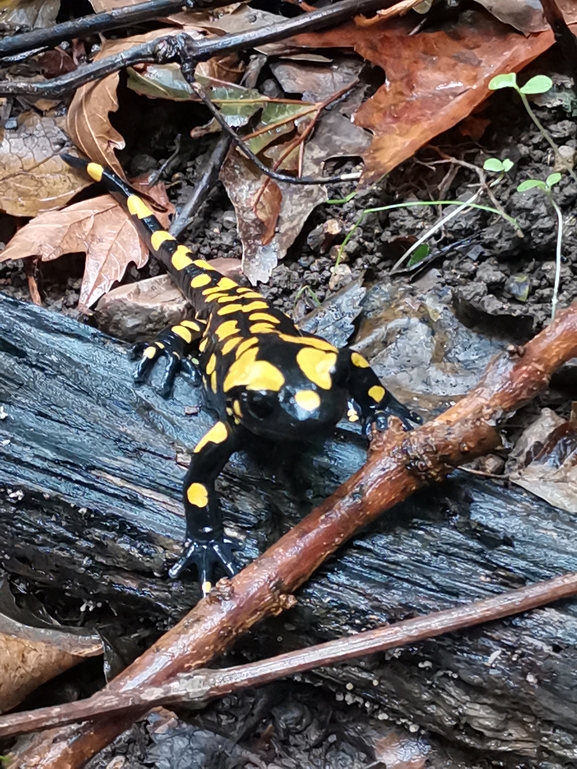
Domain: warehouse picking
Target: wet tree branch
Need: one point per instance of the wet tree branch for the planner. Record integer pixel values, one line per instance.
(398, 464)
(163, 50)
(199, 687)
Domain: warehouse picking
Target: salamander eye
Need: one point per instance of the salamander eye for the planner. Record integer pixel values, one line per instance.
(260, 405)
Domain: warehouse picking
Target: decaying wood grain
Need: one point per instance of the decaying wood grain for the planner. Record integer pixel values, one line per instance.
(109, 448)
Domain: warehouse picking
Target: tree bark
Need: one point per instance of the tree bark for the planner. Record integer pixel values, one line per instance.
(90, 505)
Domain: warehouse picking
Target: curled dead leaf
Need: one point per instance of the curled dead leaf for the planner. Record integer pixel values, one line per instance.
(100, 228)
(33, 177)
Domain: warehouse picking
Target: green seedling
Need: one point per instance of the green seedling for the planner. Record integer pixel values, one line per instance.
(536, 85)
(547, 187)
(498, 166)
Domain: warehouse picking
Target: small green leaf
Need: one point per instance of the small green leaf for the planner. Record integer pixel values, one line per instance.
(420, 253)
(507, 165)
(553, 179)
(493, 164)
(504, 81)
(530, 184)
(537, 84)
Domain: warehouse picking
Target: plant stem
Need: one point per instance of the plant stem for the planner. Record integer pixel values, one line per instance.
(547, 136)
(410, 204)
(557, 256)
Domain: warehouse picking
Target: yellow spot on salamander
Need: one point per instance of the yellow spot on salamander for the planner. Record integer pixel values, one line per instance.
(352, 414)
(253, 374)
(262, 328)
(308, 400)
(229, 309)
(245, 345)
(226, 284)
(262, 305)
(358, 360)
(158, 238)
(211, 365)
(218, 433)
(213, 382)
(263, 316)
(237, 409)
(200, 280)
(197, 495)
(310, 341)
(190, 324)
(183, 333)
(95, 171)
(317, 365)
(224, 298)
(377, 393)
(181, 258)
(248, 293)
(150, 352)
(206, 587)
(230, 344)
(203, 265)
(228, 328)
(202, 344)
(137, 207)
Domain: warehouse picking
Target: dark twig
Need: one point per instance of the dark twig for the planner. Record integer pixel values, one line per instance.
(204, 185)
(87, 25)
(211, 171)
(198, 687)
(163, 50)
(563, 35)
(245, 149)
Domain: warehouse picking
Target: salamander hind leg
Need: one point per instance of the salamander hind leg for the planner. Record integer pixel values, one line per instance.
(206, 547)
(174, 345)
(371, 401)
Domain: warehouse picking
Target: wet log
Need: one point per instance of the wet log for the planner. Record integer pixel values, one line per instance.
(90, 469)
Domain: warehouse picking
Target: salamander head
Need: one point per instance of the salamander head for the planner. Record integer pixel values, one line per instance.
(308, 398)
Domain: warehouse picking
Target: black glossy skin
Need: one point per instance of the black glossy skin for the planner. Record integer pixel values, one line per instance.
(263, 377)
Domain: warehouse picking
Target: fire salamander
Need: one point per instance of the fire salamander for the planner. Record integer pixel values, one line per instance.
(263, 377)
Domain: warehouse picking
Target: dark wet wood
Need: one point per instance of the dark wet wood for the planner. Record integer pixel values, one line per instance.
(89, 504)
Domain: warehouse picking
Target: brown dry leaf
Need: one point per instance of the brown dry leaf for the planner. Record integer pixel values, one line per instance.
(335, 136)
(27, 14)
(88, 121)
(109, 5)
(267, 209)
(30, 656)
(544, 461)
(100, 228)
(316, 82)
(527, 15)
(33, 177)
(398, 751)
(434, 79)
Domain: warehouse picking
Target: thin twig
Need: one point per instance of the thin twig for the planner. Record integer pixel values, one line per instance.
(87, 25)
(162, 50)
(397, 465)
(198, 687)
(248, 153)
(563, 35)
(204, 185)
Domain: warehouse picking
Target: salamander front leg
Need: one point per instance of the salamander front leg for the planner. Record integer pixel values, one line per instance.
(174, 344)
(206, 546)
(374, 403)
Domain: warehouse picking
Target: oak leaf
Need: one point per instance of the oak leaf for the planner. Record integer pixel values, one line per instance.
(100, 228)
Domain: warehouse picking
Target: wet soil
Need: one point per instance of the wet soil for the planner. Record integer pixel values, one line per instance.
(494, 275)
